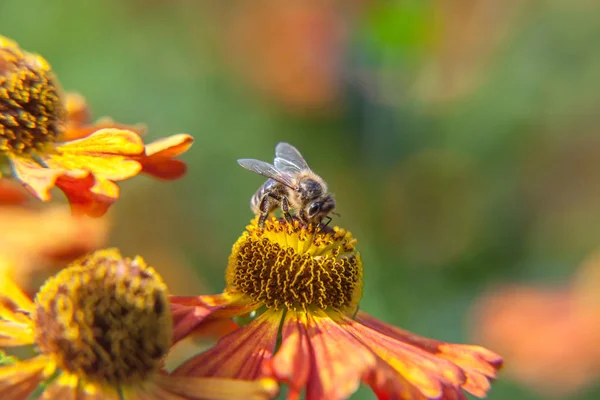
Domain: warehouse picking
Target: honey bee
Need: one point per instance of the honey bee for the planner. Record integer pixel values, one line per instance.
(292, 185)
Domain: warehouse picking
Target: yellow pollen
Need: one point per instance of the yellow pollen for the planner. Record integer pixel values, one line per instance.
(31, 110)
(296, 266)
(105, 318)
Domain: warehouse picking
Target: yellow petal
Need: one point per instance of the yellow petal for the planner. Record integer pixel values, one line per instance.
(103, 142)
(106, 188)
(13, 334)
(11, 294)
(113, 167)
(37, 179)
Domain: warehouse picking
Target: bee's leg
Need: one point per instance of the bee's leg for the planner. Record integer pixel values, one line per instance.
(285, 208)
(264, 211)
(302, 216)
(322, 225)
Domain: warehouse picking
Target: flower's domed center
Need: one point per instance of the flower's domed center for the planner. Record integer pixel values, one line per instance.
(297, 267)
(105, 318)
(31, 110)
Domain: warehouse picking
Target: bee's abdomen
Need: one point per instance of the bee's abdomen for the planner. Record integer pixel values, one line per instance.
(267, 187)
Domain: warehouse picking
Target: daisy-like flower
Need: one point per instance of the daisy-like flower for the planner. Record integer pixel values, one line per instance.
(304, 287)
(46, 139)
(101, 328)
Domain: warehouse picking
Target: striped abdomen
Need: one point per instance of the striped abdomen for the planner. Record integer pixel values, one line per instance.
(270, 186)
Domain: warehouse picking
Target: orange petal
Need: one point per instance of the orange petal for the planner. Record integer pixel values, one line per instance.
(164, 169)
(213, 329)
(158, 160)
(82, 198)
(190, 313)
(169, 147)
(192, 388)
(292, 363)
(240, 354)
(478, 365)
(37, 179)
(389, 385)
(431, 375)
(19, 380)
(317, 353)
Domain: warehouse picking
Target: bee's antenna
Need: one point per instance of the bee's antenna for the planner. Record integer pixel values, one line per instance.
(337, 214)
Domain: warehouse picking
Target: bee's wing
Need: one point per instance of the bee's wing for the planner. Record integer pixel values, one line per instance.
(268, 170)
(288, 159)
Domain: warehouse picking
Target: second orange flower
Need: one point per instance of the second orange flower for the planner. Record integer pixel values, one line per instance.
(47, 140)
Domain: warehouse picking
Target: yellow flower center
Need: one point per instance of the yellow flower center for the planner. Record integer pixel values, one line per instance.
(105, 318)
(298, 267)
(31, 110)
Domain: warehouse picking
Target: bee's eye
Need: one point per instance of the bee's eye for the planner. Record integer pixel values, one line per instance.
(313, 209)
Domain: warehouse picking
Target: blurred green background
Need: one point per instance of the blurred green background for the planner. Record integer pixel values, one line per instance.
(459, 137)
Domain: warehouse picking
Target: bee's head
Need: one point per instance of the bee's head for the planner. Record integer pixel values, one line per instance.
(320, 208)
(310, 189)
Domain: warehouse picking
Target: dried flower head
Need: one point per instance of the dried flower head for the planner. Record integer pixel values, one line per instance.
(102, 327)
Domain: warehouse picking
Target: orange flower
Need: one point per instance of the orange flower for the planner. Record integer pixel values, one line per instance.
(303, 286)
(101, 328)
(48, 141)
(548, 335)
